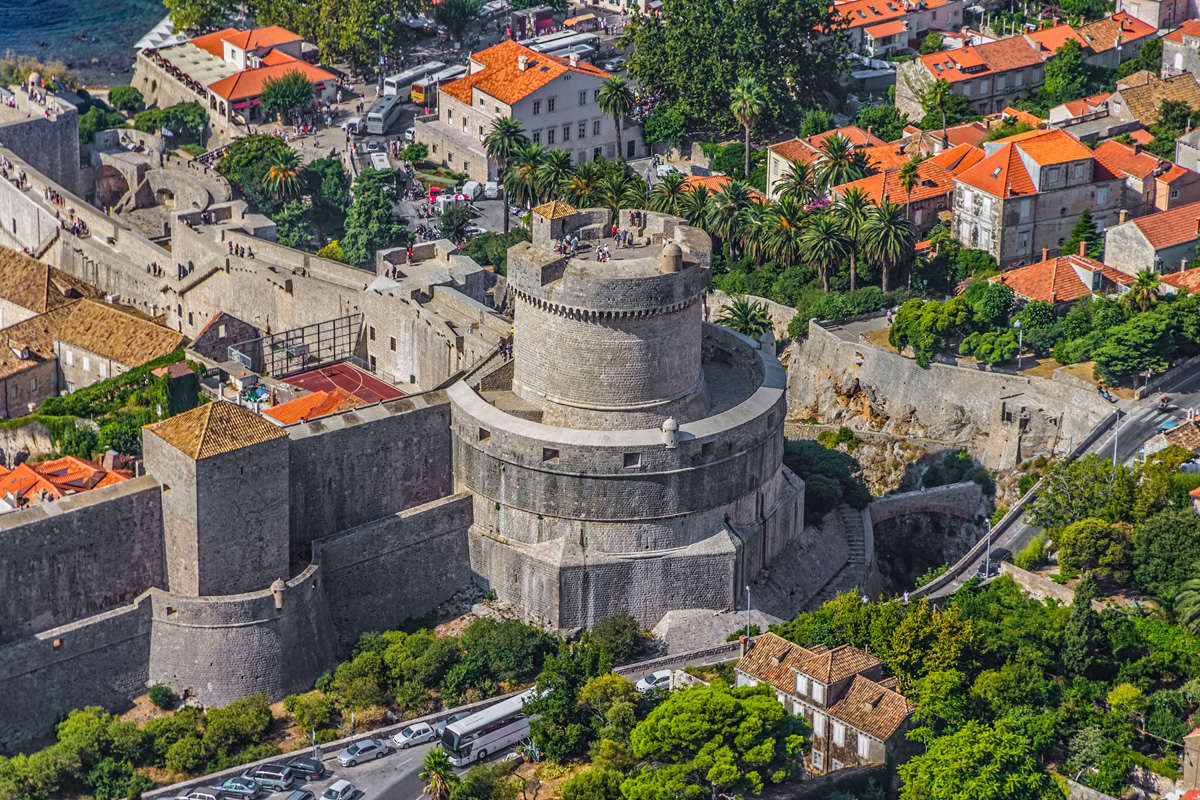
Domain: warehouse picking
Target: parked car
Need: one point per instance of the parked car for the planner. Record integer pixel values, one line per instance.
(364, 750)
(440, 728)
(373, 146)
(410, 135)
(300, 794)
(666, 169)
(204, 794)
(991, 565)
(614, 64)
(340, 790)
(276, 777)
(419, 733)
(308, 768)
(659, 679)
(474, 230)
(243, 787)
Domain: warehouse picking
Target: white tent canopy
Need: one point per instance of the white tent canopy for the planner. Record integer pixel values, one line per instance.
(161, 35)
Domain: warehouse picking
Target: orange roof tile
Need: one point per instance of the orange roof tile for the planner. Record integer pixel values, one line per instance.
(1050, 147)
(958, 158)
(214, 43)
(1024, 116)
(1169, 228)
(975, 60)
(872, 708)
(934, 180)
(1139, 163)
(1175, 173)
(852, 133)
(1056, 279)
(503, 79)
(317, 404)
(249, 83)
(1050, 39)
(859, 13)
(715, 183)
(796, 150)
(885, 157)
(1001, 174)
(1145, 100)
(1187, 279)
(887, 29)
(1189, 27)
(57, 478)
(276, 57)
(1117, 29)
(1141, 136)
(270, 36)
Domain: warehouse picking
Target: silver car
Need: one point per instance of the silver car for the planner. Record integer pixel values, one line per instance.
(364, 750)
(414, 735)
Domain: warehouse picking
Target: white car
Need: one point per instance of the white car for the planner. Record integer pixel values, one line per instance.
(373, 146)
(340, 790)
(659, 679)
(410, 134)
(474, 230)
(666, 169)
(413, 734)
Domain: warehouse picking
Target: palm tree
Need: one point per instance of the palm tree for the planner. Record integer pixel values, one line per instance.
(521, 177)
(582, 188)
(553, 173)
(854, 208)
(695, 205)
(616, 100)
(840, 162)
(909, 178)
(1187, 605)
(936, 96)
(888, 239)
(1143, 292)
(824, 245)
(621, 190)
(786, 230)
(283, 176)
(755, 222)
(799, 183)
(502, 143)
(666, 193)
(748, 319)
(438, 774)
(747, 102)
(725, 208)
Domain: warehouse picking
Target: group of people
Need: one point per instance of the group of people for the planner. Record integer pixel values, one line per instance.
(11, 172)
(240, 252)
(208, 218)
(54, 197)
(568, 246)
(622, 237)
(602, 253)
(505, 348)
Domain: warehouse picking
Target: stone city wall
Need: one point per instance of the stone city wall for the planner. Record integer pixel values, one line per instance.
(957, 499)
(75, 557)
(50, 145)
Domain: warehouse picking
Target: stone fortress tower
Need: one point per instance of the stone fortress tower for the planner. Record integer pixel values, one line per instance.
(629, 458)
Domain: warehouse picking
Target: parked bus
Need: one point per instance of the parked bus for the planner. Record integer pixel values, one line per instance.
(401, 83)
(383, 114)
(560, 48)
(380, 162)
(489, 731)
(584, 52)
(550, 41)
(424, 91)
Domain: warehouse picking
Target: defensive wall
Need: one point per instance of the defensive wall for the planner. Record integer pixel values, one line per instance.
(1005, 418)
(51, 142)
(956, 499)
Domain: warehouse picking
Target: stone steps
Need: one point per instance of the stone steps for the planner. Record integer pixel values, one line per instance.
(856, 534)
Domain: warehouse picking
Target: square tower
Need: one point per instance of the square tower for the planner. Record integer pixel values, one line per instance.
(224, 472)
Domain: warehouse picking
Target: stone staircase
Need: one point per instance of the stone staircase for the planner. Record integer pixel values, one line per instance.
(856, 533)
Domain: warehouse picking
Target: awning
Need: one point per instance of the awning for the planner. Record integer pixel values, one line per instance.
(320, 87)
(254, 102)
(242, 104)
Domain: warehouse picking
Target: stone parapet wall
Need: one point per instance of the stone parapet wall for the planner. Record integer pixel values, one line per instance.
(957, 499)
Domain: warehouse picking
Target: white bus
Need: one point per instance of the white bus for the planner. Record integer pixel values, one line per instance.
(489, 731)
(557, 47)
(584, 52)
(424, 91)
(401, 83)
(380, 162)
(385, 112)
(550, 41)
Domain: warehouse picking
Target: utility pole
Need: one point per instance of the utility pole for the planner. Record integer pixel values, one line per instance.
(1020, 341)
(747, 615)
(1116, 434)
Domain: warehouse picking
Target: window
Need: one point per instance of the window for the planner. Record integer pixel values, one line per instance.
(189, 318)
(70, 358)
(1174, 194)
(967, 198)
(818, 759)
(484, 434)
(595, 127)
(13, 392)
(633, 460)
(550, 105)
(596, 95)
(435, 149)
(983, 86)
(818, 692)
(818, 723)
(999, 83)
(839, 733)
(1179, 61)
(464, 124)
(932, 18)
(497, 110)
(537, 137)
(393, 344)
(549, 454)
(550, 136)
(1079, 170)
(537, 106)
(87, 364)
(836, 765)
(466, 166)
(103, 370)
(801, 685)
(1020, 76)
(986, 206)
(33, 385)
(372, 363)
(1026, 208)
(449, 115)
(481, 102)
(1102, 194)
(864, 746)
(596, 153)
(916, 213)
(582, 130)
(371, 333)
(481, 133)
(583, 98)
(966, 90)
(1022, 242)
(1053, 176)
(566, 133)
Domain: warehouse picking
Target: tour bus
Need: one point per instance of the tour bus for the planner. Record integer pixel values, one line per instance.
(380, 162)
(557, 47)
(383, 114)
(424, 91)
(550, 41)
(488, 731)
(584, 52)
(401, 83)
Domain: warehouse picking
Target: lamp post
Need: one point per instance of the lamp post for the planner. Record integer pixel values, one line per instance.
(747, 615)
(1116, 434)
(1020, 341)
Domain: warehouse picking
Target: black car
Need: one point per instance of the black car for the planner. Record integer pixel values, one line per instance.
(308, 768)
(991, 565)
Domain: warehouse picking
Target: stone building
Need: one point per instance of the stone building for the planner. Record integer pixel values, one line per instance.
(1163, 242)
(1159, 14)
(628, 443)
(1180, 50)
(1028, 193)
(1151, 183)
(876, 29)
(1063, 279)
(856, 714)
(781, 155)
(992, 75)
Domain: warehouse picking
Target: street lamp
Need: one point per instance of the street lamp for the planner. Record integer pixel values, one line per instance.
(747, 615)
(1020, 341)
(1116, 434)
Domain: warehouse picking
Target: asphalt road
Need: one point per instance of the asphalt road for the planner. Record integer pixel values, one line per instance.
(1139, 421)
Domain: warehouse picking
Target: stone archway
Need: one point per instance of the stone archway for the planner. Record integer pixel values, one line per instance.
(165, 197)
(111, 185)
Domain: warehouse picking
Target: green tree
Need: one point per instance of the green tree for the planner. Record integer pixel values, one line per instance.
(1143, 292)
(438, 774)
(1143, 343)
(616, 100)
(283, 175)
(621, 635)
(854, 208)
(512, 652)
(995, 303)
(979, 761)
(291, 91)
(502, 143)
(583, 188)
(666, 124)
(291, 225)
(910, 177)
(824, 245)
(839, 162)
(558, 724)
(198, 15)
(888, 239)
(717, 740)
(936, 98)
(1092, 544)
(830, 477)
(746, 317)
(1081, 636)
(932, 43)
(125, 98)
(520, 178)
(313, 711)
(695, 204)
(1084, 231)
(666, 193)
(328, 186)
(785, 234)
(1089, 486)
(954, 109)
(596, 783)
(1165, 548)
(333, 251)
(453, 223)
(1066, 75)
(798, 183)
(1187, 605)
(885, 121)
(456, 16)
(97, 119)
(815, 122)
(369, 225)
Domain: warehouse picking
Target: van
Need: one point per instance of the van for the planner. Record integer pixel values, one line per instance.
(491, 190)
(354, 126)
(472, 189)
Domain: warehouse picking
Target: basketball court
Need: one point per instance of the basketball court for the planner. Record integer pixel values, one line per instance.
(348, 378)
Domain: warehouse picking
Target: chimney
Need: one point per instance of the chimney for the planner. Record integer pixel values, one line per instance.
(574, 59)
(522, 63)
(869, 127)
(1122, 217)
(1083, 248)
(1137, 148)
(1045, 253)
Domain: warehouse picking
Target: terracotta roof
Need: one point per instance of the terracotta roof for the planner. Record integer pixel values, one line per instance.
(716, 183)
(214, 429)
(1050, 147)
(277, 57)
(796, 150)
(972, 133)
(270, 36)
(859, 13)
(875, 710)
(887, 156)
(176, 370)
(1141, 136)
(934, 180)
(1185, 435)
(214, 43)
(887, 29)
(1139, 78)
(958, 159)
(317, 404)
(249, 83)
(1001, 174)
(556, 209)
(58, 478)
(1117, 29)
(1086, 105)
(1145, 100)
(1189, 27)
(1023, 116)
(503, 79)
(32, 285)
(973, 61)
(1175, 173)
(116, 332)
(1187, 279)
(1050, 39)
(1169, 228)
(852, 133)
(1140, 164)
(1056, 279)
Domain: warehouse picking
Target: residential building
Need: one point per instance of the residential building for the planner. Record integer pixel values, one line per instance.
(856, 714)
(1151, 183)
(992, 76)
(1029, 191)
(1063, 279)
(1140, 96)
(97, 341)
(1164, 241)
(557, 100)
(808, 151)
(1187, 150)
(1081, 110)
(879, 27)
(1186, 435)
(1116, 38)
(1172, 282)
(1159, 14)
(29, 484)
(29, 288)
(929, 142)
(1179, 50)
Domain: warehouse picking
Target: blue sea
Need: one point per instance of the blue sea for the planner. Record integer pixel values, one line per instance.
(93, 37)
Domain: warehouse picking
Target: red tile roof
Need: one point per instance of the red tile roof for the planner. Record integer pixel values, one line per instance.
(852, 133)
(860, 13)
(887, 156)
(1024, 116)
(796, 150)
(1141, 136)
(249, 83)
(1169, 228)
(934, 181)
(1175, 173)
(214, 43)
(1001, 174)
(1056, 279)
(57, 478)
(1117, 29)
(1124, 157)
(270, 36)
(311, 406)
(503, 79)
(1050, 39)
(872, 708)
(1086, 105)
(973, 61)
(1190, 27)
(715, 183)
(887, 29)
(276, 57)
(959, 158)
(1187, 279)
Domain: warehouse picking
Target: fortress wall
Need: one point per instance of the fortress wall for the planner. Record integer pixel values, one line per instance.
(396, 568)
(50, 146)
(358, 469)
(77, 556)
(23, 222)
(96, 661)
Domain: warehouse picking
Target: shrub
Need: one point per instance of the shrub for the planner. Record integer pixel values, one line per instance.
(1027, 482)
(932, 574)
(1032, 555)
(597, 783)
(415, 152)
(185, 755)
(162, 696)
(621, 635)
(289, 703)
(997, 515)
(125, 98)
